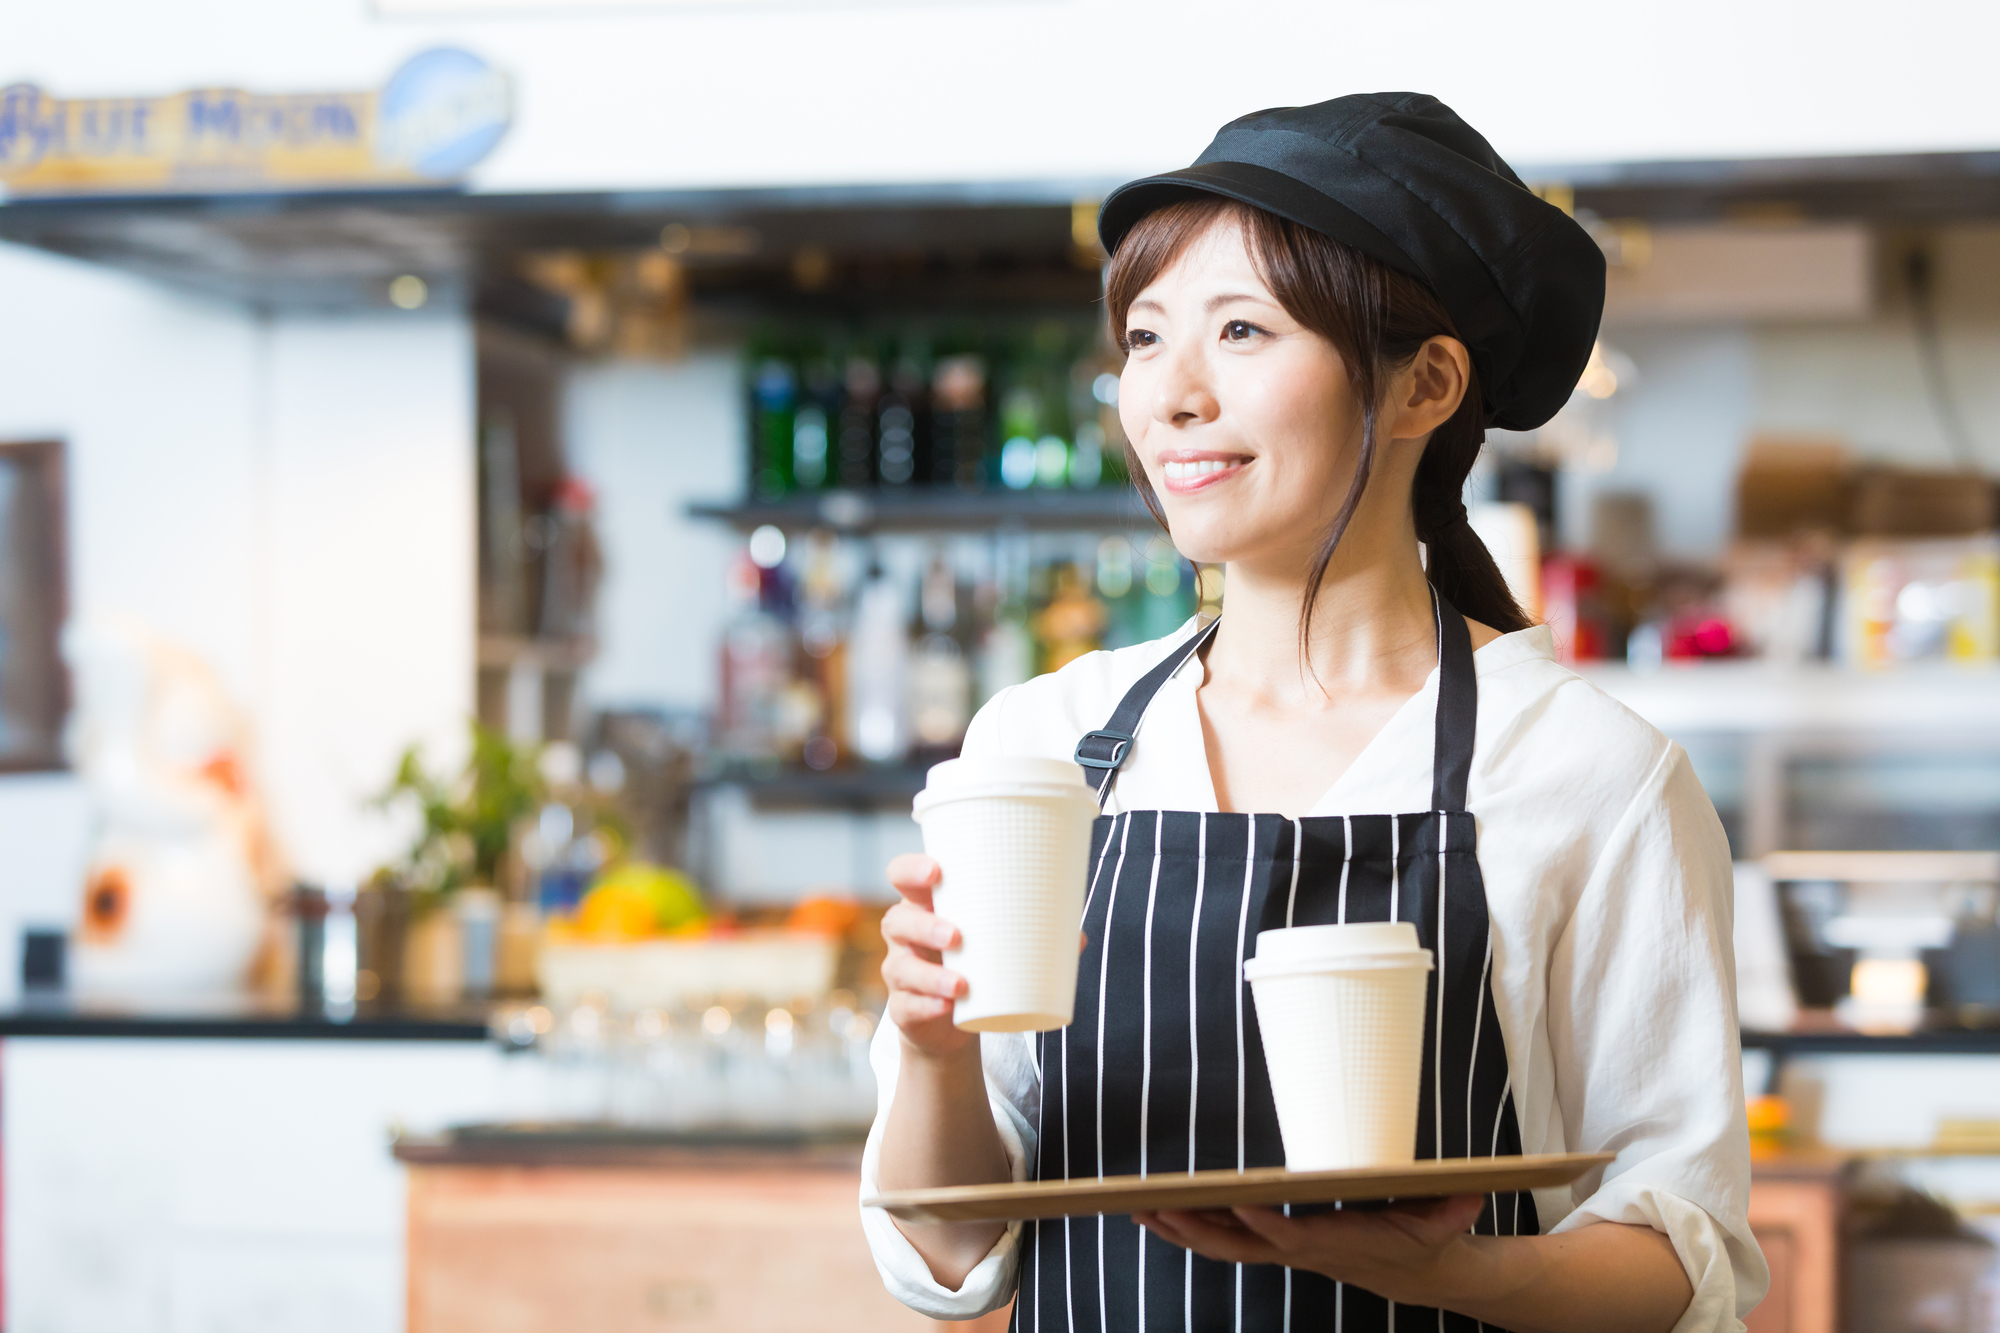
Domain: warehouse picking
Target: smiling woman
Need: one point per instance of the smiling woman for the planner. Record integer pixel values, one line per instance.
(1315, 331)
(1321, 319)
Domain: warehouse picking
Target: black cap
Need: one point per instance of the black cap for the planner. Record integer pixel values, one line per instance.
(1402, 179)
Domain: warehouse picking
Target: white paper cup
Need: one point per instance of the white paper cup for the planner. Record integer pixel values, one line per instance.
(1341, 1009)
(1013, 839)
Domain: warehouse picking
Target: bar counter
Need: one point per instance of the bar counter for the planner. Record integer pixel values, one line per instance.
(237, 1017)
(621, 1230)
(590, 1144)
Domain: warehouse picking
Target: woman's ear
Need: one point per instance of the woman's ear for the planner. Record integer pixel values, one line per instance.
(1426, 393)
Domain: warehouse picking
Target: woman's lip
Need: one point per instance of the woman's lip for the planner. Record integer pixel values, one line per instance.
(1179, 461)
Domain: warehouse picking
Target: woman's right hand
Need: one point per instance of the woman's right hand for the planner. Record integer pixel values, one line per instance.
(921, 989)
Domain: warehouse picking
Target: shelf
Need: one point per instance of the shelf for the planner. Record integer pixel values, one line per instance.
(320, 250)
(993, 244)
(603, 1144)
(1845, 1041)
(236, 1018)
(1110, 506)
(856, 789)
(1762, 698)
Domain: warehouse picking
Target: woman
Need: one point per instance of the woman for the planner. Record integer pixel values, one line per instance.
(1321, 318)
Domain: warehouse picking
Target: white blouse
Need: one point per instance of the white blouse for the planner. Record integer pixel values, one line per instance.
(1609, 890)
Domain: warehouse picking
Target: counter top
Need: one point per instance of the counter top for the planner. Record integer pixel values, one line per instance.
(1758, 697)
(1831, 1040)
(235, 1018)
(625, 1147)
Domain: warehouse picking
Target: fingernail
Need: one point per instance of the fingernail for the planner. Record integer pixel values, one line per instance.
(941, 937)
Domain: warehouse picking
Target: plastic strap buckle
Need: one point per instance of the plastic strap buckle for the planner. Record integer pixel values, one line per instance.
(1121, 741)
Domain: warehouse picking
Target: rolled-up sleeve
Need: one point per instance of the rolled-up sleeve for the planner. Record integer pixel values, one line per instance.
(1013, 1091)
(1642, 1026)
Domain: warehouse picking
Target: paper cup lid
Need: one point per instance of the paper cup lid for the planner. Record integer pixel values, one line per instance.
(1409, 960)
(1350, 941)
(988, 770)
(1026, 779)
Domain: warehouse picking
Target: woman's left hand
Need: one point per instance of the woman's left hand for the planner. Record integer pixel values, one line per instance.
(1414, 1253)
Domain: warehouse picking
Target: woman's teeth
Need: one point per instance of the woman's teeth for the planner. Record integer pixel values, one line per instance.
(1189, 471)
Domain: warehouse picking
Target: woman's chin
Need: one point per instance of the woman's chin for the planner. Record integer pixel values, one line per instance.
(1198, 537)
(1212, 535)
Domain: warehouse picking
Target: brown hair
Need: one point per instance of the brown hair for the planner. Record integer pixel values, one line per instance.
(1377, 319)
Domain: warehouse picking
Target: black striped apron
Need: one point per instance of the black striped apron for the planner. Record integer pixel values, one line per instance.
(1162, 1068)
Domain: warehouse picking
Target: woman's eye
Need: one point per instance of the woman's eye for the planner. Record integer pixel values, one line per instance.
(1138, 338)
(1240, 330)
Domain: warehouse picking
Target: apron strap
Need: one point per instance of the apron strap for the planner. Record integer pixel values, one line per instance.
(1106, 749)
(1457, 708)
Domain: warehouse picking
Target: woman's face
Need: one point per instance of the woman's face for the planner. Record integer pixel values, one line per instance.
(1243, 419)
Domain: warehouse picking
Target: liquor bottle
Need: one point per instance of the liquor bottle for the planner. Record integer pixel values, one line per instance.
(572, 563)
(823, 659)
(1049, 371)
(816, 422)
(1119, 591)
(878, 657)
(1007, 648)
(1073, 622)
(773, 402)
(1086, 467)
(1170, 593)
(901, 416)
(1020, 426)
(856, 464)
(958, 421)
(940, 677)
(1094, 407)
(756, 666)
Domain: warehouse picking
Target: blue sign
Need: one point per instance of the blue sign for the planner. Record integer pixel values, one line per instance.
(441, 112)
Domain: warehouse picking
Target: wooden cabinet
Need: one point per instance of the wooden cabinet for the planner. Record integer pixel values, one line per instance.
(645, 1241)
(1795, 1212)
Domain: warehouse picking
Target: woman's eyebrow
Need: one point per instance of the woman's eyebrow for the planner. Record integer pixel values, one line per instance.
(1215, 303)
(1210, 306)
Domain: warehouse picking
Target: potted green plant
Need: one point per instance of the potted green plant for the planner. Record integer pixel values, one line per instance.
(450, 878)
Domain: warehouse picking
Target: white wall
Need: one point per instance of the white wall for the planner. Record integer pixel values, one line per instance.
(152, 394)
(686, 94)
(1865, 382)
(1704, 390)
(291, 499)
(1679, 430)
(651, 439)
(155, 396)
(367, 571)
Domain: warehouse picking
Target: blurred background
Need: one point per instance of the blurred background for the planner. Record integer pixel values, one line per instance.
(500, 500)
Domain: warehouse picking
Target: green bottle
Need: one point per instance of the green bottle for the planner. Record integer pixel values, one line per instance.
(774, 393)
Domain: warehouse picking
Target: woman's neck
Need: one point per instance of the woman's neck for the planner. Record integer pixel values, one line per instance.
(1373, 627)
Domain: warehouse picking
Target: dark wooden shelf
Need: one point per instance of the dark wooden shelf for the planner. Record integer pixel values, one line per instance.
(861, 789)
(598, 1144)
(237, 1018)
(999, 244)
(1114, 506)
(1845, 1041)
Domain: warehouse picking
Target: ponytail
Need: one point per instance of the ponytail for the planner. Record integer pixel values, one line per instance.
(1458, 563)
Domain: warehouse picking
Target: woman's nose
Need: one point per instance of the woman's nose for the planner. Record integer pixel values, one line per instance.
(1184, 395)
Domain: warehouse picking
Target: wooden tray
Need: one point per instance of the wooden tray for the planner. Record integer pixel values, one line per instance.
(1229, 1189)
